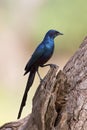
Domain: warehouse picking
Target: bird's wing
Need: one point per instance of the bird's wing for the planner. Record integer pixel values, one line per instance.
(36, 55)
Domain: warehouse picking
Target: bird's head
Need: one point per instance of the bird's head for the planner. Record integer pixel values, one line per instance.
(53, 33)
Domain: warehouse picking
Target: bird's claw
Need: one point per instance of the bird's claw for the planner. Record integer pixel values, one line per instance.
(40, 79)
(53, 66)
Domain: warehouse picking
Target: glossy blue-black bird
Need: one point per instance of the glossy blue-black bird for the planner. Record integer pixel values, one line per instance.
(40, 56)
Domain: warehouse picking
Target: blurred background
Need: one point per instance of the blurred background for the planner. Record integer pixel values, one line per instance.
(23, 24)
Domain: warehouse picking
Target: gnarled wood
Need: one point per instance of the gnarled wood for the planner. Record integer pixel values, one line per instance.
(76, 72)
(60, 102)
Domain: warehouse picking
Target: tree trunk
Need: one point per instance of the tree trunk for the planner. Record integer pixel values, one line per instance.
(60, 102)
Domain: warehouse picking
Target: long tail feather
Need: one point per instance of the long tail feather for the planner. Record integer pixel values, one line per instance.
(29, 84)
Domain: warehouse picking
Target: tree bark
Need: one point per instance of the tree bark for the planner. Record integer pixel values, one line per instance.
(60, 102)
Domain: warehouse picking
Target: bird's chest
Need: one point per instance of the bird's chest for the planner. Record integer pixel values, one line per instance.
(48, 51)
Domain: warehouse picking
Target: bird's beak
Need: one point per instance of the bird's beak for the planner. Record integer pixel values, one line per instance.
(60, 33)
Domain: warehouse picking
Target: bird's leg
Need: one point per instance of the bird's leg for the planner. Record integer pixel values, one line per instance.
(39, 75)
(51, 65)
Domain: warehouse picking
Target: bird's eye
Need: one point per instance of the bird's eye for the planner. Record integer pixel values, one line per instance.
(56, 32)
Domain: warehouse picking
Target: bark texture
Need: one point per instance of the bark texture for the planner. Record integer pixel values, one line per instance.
(60, 102)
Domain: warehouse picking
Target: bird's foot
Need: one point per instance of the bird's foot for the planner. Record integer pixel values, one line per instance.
(53, 65)
(41, 79)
